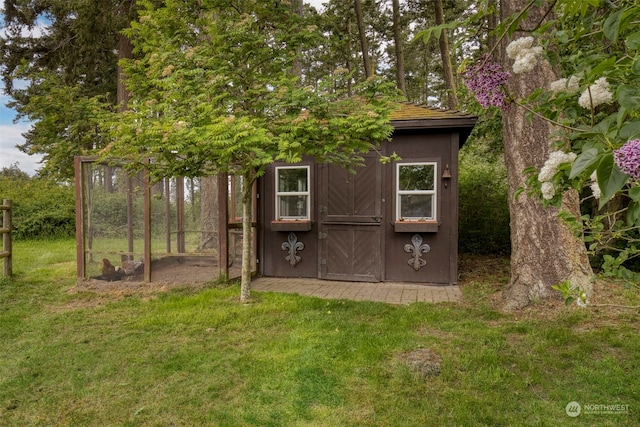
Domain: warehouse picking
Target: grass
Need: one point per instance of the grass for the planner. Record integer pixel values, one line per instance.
(198, 357)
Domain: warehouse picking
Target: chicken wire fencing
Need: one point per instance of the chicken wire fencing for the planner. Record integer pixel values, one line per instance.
(176, 231)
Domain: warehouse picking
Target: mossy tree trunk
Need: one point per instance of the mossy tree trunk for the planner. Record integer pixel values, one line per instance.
(544, 250)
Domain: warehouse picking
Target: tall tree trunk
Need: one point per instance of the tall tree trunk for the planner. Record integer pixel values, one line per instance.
(298, 9)
(348, 56)
(364, 45)
(399, 48)
(492, 21)
(449, 78)
(208, 213)
(192, 197)
(426, 92)
(125, 51)
(247, 237)
(544, 251)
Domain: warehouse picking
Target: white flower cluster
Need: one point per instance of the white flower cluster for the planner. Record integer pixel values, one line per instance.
(548, 190)
(595, 188)
(550, 168)
(582, 300)
(597, 94)
(570, 85)
(525, 56)
(551, 165)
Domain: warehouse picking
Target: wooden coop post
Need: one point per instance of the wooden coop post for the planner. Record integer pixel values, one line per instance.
(147, 227)
(79, 181)
(6, 237)
(167, 219)
(130, 230)
(181, 243)
(223, 224)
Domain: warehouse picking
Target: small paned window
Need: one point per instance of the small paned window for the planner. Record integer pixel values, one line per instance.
(416, 191)
(293, 199)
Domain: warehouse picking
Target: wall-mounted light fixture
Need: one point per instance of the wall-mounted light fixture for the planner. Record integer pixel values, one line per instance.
(446, 175)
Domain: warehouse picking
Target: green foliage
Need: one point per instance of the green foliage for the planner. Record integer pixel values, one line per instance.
(109, 216)
(41, 208)
(570, 294)
(14, 172)
(484, 208)
(483, 188)
(591, 42)
(423, 61)
(61, 75)
(66, 124)
(213, 90)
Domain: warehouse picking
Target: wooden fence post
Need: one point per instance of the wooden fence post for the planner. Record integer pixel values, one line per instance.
(6, 237)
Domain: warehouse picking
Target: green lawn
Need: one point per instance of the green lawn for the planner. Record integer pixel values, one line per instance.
(198, 357)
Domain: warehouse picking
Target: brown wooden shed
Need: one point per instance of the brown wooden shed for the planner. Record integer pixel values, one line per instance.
(386, 222)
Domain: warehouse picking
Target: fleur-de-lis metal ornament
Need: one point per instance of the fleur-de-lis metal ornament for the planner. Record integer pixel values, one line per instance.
(293, 246)
(417, 248)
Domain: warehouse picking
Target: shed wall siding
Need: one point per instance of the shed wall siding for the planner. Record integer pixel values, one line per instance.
(339, 247)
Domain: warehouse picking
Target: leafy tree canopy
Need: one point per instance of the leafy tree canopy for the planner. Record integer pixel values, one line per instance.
(213, 89)
(58, 61)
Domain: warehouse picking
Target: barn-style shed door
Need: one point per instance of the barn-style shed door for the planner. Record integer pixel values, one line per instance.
(350, 217)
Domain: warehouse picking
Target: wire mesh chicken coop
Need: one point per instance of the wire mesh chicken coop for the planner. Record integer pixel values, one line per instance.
(177, 231)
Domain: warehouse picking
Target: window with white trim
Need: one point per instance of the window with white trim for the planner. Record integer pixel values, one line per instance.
(416, 195)
(293, 198)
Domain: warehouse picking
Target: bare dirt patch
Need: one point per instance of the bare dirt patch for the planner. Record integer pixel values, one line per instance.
(483, 268)
(486, 276)
(423, 361)
(193, 273)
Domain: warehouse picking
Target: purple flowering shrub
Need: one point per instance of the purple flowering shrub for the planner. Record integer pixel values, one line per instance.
(627, 158)
(592, 109)
(485, 80)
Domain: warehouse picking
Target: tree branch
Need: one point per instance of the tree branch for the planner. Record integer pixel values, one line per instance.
(553, 122)
(631, 307)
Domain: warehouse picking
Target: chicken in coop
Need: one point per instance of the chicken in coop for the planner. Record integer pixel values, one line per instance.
(107, 268)
(109, 272)
(129, 267)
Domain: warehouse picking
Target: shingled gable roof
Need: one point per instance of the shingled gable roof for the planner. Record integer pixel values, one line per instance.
(413, 116)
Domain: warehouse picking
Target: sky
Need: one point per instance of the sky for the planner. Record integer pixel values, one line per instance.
(11, 133)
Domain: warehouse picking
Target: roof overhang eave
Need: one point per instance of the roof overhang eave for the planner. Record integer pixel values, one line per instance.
(459, 123)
